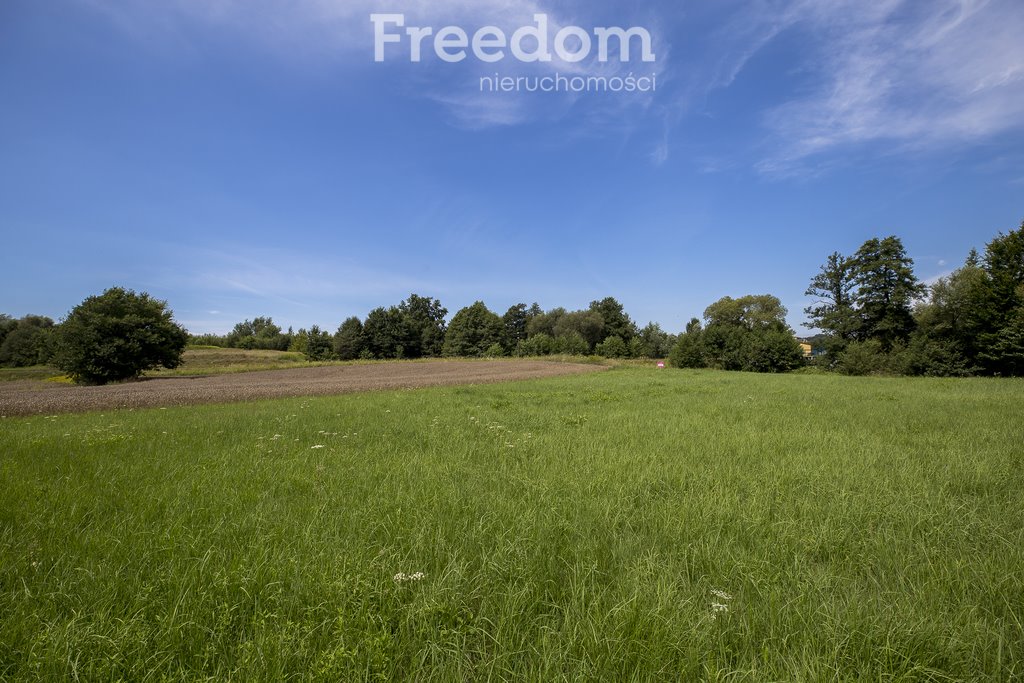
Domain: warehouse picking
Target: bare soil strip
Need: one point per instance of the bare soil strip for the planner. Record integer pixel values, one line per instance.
(26, 397)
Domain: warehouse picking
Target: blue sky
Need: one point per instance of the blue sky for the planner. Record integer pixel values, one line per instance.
(245, 157)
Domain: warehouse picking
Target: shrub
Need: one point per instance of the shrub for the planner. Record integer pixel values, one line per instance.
(118, 335)
(319, 344)
(571, 344)
(688, 351)
(612, 347)
(494, 351)
(540, 344)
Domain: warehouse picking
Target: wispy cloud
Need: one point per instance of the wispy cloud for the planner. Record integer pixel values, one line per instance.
(902, 73)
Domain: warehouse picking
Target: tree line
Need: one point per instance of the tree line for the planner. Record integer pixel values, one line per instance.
(418, 328)
(873, 313)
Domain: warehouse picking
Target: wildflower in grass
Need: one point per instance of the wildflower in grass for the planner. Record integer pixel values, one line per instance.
(718, 608)
(721, 595)
(402, 577)
(319, 445)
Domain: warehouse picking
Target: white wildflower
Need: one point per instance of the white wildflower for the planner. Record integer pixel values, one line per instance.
(721, 595)
(319, 445)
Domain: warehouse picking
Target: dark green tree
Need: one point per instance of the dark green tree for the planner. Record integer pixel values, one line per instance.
(544, 323)
(385, 333)
(348, 340)
(612, 347)
(30, 342)
(886, 291)
(118, 335)
(616, 322)
(589, 325)
(833, 309)
(472, 331)
(318, 344)
(424, 326)
(514, 321)
(688, 351)
(749, 333)
(7, 325)
(653, 342)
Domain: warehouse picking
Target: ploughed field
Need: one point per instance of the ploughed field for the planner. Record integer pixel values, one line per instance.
(28, 397)
(631, 524)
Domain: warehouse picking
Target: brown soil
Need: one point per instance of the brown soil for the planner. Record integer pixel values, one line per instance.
(27, 397)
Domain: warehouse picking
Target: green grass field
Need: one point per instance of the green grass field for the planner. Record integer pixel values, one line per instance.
(633, 524)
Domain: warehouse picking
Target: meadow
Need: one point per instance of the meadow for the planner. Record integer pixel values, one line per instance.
(633, 524)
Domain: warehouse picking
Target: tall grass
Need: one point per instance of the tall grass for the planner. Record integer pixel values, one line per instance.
(627, 525)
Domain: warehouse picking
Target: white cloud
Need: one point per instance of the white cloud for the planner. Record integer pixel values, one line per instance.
(915, 77)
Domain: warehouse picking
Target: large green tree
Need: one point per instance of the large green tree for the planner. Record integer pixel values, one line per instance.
(833, 309)
(514, 322)
(886, 291)
(385, 333)
(616, 322)
(749, 333)
(28, 341)
(473, 331)
(118, 335)
(349, 340)
(423, 326)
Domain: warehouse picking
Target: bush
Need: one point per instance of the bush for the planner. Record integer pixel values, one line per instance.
(118, 335)
(688, 351)
(494, 351)
(612, 347)
(571, 344)
(540, 344)
(864, 358)
(319, 344)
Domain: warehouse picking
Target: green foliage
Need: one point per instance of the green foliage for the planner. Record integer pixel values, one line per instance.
(7, 325)
(652, 342)
(422, 327)
(616, 322)
(749, 334)
(886, 291)
(299, 341)
(220, 341)
(260, 333)
(833, 311)
(688, 351)
(540, 344)
(28, 341)
(544, 323)
(116, 336)
(772, 351)
(571, 344)
(515, 321)
(349, 340)
(612, 347)
(472, 331)
(1006, 353)
(587, 325)
(494, 351)
(870, 358)
(319, 344)
(384, 333)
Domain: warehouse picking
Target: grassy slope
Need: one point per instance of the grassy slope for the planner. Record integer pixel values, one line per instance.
(568, 528)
